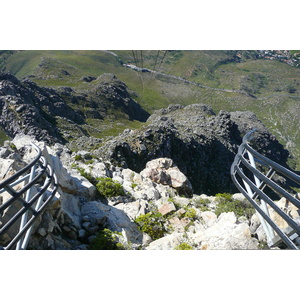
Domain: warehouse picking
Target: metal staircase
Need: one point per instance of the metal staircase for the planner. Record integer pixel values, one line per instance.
(252, 172)
(38, 186)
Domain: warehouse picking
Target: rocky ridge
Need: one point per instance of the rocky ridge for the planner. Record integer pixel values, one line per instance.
(201, 143)
(79, 213)
(61, 115)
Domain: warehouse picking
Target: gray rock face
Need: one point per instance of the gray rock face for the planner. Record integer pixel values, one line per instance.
(29, 109)
(115, 91)
(201, 143)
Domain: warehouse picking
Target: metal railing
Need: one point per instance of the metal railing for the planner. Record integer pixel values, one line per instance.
(246, 175)
(39, 186)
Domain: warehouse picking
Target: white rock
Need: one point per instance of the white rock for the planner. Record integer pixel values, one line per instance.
(225, 234)
(7, 168)
(128, 174)
(166, 208)
(254, 223)
(118, 179)
(100, 170)
(227, 218)
(240, 197)
(162, 170)
(181, 200)
(42, 231)
(82, 233)
(131, 209)
(152, 194)
(70, 205)
(116, 219)
(209, 217)
(262, 237)
(168, 242)
(290, 209)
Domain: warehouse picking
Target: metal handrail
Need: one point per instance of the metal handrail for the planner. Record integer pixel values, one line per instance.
(42, 177)
(251, 183)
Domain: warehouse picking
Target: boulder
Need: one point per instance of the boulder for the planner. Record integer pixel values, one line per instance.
(166, 208)
(225, 233)
(163, 171)
(208, 217)
(168, 242)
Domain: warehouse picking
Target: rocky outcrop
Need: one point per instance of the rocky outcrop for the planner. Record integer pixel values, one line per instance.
(60, 115)
(201, 143)
(29, 109)
(116, 93)
(163, 170)
(78, 212)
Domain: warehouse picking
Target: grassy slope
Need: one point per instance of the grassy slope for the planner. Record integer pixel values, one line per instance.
(268, 80)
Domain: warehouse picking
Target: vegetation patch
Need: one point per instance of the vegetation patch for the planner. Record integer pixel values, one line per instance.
(152, 223)
(225, 203)
(202, 204)
(109, 188)
(190, 213)
(78, 157)
(184, 246)
(106, 240)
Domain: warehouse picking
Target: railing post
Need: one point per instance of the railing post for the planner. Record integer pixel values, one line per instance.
(252, 187)
(38, 167)
(28, 233)
(268, 229)
(24, 216)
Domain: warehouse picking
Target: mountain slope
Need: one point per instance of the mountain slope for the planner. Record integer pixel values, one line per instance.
(261, 82)
(62, 115)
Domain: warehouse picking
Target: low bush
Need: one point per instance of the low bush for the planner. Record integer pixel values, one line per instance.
(184, 246)
(109, 188)
(106, 240)
(190, 213)
(202, 204)
(225, 203)
(152, 223)
(78, 157)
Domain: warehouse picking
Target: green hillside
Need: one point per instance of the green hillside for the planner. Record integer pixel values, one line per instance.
(226, 80)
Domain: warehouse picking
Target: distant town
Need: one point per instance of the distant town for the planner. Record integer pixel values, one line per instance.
(291, 58)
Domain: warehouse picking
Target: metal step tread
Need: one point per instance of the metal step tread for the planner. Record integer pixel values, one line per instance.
(289, 231)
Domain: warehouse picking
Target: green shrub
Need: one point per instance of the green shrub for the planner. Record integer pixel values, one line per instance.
(12, 146)
(202, 204)
(89, 162)
(73, 165)
(225, 203)
(109, 188)
(224, 196)
(152, 223)
(78, 157)
(184, 246)
(190, 213)
(106, 240)
(133, 185)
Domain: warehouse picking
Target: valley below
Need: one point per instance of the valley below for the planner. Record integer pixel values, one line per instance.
(122, 116)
